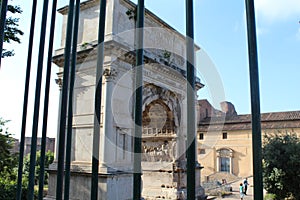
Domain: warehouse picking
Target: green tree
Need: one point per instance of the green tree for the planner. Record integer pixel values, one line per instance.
(49, 157)
(6, 143)
(8, 165)
(12, 32)
(281, 165)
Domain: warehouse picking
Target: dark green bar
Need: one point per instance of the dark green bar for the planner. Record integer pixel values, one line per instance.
(70, 104)
(2, 25)
(25, 102)
(191, 148)
(64, 99)
(255, 101)
(138, 101)
(46, 103)
(98, 95)
(37, 102)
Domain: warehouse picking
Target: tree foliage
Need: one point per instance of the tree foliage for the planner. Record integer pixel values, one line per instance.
(12, 32)
(49, 157)
(6, 143)
(281, 165)
(8, 165)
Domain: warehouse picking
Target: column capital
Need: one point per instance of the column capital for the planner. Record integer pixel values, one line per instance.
(110, 74)
(59, 82)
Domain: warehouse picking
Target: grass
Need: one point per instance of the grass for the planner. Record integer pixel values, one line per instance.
(269, 197)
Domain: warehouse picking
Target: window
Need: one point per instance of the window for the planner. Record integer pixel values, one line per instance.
(202, 151)
(201, 136)
(124, 145)
(224, 135)
(224, 160)
(225, 164)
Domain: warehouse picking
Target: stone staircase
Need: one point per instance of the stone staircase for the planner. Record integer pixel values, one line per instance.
(223, 175)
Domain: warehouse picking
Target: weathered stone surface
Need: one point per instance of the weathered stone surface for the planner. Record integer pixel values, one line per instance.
(164, 107)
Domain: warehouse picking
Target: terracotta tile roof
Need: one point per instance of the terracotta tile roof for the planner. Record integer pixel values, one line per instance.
(292, 115)
(274, 120)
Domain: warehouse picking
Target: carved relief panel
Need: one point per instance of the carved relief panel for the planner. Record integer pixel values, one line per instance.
(161, 117)
(159, 151)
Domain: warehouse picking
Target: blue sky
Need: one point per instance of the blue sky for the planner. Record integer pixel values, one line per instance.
(219, 31)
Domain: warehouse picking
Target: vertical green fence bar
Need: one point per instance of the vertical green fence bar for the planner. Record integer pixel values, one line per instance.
(64, 103)
(37, 102)
(98, 95)
(137, 169)
(191, 148)
(2, 25)
(25, 101)
(70, 104)
(255, 101)
(46, 103)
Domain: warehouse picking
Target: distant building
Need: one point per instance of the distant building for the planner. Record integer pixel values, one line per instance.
(225, 138)
(16, 146)
(50, 145)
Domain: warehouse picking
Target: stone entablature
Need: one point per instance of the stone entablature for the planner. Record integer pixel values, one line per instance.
(120, 28)
(117, 52)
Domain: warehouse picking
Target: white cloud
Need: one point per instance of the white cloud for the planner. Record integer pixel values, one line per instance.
(277, 10)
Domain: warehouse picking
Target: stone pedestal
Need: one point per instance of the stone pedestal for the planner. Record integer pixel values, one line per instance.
(112, 185)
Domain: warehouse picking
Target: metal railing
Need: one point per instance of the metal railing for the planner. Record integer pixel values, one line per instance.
(63, 170)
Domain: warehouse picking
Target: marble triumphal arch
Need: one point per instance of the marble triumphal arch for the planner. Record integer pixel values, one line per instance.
(164, 106)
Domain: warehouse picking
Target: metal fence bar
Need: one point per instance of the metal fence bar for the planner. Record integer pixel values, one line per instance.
(37, 102)
(137, 169)
(70, 104)
(98, 96)
(46, 103)
(2, 25)
(64, 101)
(191, 148)
(255, 101)
(25, 102)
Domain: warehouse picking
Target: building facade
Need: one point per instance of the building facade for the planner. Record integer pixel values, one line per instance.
(225, 138)
(50, 145)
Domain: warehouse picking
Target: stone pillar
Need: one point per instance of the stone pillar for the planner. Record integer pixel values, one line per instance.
(230, 161)
(218, 163)
(181, 131)
(59, 82)
(108, 136)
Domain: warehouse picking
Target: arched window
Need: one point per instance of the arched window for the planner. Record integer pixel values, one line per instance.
(224, 160)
